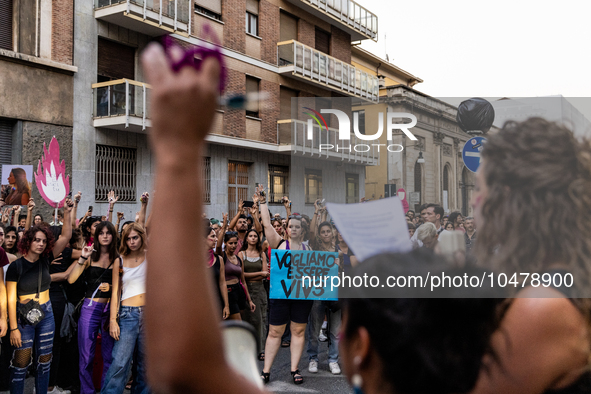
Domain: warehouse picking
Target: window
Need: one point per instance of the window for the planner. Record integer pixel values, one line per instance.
(115, 60)
(361, 120)
(237, 185)
(252, 86)
(288, 27)
(211, 8)
(252, 22)
(6, 141)
(208, 13)
(322, 41)
(115, 170)
(313, 186)
(6, 24)
(252, 17)
(278, 183)
(207, 180)
(352, 188)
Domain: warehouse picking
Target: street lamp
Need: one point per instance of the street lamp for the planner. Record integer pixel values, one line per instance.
(421, 160)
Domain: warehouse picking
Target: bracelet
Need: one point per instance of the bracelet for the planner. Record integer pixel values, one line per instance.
(110, 211)
(14, 329)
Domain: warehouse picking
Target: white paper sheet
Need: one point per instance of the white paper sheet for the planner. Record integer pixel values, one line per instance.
(373, 227)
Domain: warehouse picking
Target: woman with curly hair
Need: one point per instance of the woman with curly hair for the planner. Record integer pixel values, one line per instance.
(21, 191)
(28, 280)
(532, 204)
(96, 264)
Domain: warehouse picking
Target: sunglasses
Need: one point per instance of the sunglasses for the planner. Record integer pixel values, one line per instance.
(296, 216)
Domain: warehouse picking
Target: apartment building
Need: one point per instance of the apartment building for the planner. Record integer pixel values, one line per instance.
(72, 70)
(36, 81)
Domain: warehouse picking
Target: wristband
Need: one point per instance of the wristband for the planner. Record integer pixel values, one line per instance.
(14, 329)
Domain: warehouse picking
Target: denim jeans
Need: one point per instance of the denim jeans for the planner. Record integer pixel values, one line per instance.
(93, 318)
(36, 341)
(131, 336)
(314, 326)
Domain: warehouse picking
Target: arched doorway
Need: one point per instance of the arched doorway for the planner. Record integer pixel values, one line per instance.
(418, 186)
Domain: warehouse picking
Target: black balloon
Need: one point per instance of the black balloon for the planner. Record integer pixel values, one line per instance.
(475, 114)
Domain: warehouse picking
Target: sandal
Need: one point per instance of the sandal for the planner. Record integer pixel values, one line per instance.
(262, 356)
(265, 376)
(297, 377)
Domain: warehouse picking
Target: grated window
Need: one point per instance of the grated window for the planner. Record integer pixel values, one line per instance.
(116, 169)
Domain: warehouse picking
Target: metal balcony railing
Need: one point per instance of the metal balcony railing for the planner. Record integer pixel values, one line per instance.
(311, 64)
(121, 103)
(349, 13)
(171, 15)
(294, 133)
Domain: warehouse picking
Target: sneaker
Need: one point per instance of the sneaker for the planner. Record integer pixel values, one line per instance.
(313, 366)
(59, 390)
(334, 368)
(322, 336)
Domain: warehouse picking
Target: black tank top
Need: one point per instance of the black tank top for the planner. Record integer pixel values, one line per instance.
(94, 276)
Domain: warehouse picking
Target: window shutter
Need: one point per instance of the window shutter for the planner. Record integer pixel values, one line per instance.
(6, 141)
(6, 24)
(212, 5)
(115, 60)
(252, 6)
(322, 41)
(288, 27)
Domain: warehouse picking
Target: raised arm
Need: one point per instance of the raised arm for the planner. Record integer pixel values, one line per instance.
(64, 239)
(254, 212)
(79, 265)
(74, 213)
(112, 201)
(287, 205)
(178, 140)
(144, 208)
(314, 223)
(16, 210)
(3, 309)
(239, 211)
(272, 237)
(30, 208)
(5, 216)
(218, 246)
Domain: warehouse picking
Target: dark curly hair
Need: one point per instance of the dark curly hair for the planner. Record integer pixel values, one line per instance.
(425, 345)
(536, 211)
(24, 244)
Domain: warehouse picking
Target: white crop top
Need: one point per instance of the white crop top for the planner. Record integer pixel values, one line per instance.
(134, 281)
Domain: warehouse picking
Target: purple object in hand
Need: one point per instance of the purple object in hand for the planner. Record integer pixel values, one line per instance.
(199, 51)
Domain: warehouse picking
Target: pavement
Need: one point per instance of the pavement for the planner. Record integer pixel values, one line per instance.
(281, 382)
(321, 382)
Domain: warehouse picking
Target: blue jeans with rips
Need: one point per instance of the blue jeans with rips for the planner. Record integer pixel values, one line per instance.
(36, 340)
(314, 325)
(131, 326)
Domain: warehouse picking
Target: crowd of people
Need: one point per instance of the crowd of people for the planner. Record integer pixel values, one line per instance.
(532, 208)
(71, 287)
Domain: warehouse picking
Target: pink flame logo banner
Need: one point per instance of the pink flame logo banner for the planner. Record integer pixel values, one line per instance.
(52, 183)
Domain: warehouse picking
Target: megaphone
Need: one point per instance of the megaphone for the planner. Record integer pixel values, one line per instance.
(241, 349)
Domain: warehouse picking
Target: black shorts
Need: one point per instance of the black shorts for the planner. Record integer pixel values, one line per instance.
(236, 298)
(283, 311)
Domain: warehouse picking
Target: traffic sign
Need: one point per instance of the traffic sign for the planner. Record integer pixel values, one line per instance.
(471, 152)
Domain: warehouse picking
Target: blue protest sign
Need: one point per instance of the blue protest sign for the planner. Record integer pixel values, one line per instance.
(303, 275)
(471, 153)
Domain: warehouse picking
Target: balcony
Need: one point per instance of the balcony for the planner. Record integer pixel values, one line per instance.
(291, 137)
(121, 105)
(305, 63)
(347, 15)
(151, 17)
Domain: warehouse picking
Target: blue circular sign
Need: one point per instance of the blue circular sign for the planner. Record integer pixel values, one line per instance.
(471, 152)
